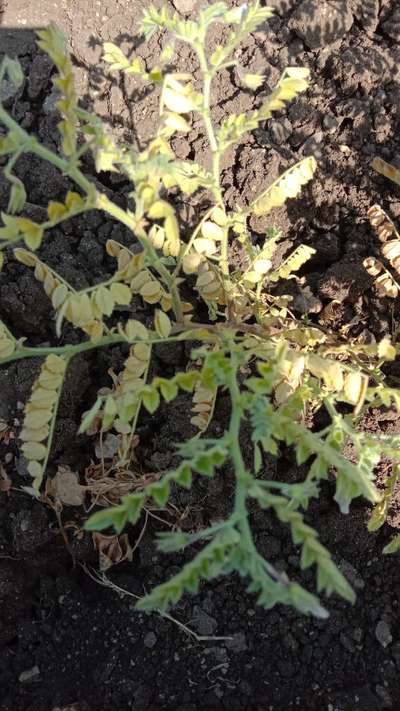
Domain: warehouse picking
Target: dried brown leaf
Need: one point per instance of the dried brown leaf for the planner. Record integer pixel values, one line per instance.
(65, 487)
(112, 549)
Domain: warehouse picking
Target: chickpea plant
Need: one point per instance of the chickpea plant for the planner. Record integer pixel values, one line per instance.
(292, 366)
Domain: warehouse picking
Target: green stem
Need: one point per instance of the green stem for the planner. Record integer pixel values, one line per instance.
(224, 261)
(29, 144)
(208, 75)
(113, 339)
(68, 351)
(243, 478)
(206, 116)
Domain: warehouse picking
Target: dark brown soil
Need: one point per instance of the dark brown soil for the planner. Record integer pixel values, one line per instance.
(85, 646)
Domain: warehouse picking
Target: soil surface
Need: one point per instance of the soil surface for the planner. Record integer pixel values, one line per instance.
(70, 643)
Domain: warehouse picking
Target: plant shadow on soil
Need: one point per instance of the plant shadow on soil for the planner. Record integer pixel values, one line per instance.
(84, 644)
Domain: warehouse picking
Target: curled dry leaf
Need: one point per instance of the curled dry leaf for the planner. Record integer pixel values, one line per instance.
(112, 549)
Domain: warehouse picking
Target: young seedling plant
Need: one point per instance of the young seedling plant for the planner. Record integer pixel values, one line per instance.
(292, 367)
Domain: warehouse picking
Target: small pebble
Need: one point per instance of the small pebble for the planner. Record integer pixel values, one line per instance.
(29, 675)
(383, 633)
(150, 640)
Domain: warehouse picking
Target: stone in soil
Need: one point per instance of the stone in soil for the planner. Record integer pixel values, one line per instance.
(383, 633)
(29, 675)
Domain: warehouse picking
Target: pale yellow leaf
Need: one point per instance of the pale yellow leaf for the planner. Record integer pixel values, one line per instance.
(121, 293)
(205, 246)
(104, 300)
(176, 122)
(29, 435)
(178, 103)
(162, 324)
(59, 295)
(134, 329)
(212, 231)
(34, 450)
(385, 350)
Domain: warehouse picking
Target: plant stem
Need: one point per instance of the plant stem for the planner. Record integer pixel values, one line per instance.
(206, 116)
(208, 75)
(30, 144)
(243, 477)
(70, 351)
(224, 261)
(54, 416)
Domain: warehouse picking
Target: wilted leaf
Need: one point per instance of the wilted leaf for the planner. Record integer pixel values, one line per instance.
(112, 549)
(65, 487)
(107, 447)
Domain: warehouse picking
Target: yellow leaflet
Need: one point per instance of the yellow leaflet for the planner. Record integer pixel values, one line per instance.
(286, 186)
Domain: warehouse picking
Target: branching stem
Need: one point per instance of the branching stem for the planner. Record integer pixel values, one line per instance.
(30, 144)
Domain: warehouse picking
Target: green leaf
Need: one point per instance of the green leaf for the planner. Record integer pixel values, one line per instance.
(217, 456)
(168, 389)
(150, 399)
(109, 412)
(183, 476)
(33, 234)
(159, 492)
(172, 542)
(393, 546)
(203, 465)
(116, 516)
(187, 381)
(90, 416)
(306, 603)
(378, 516)
(330, 578)
(133, 504)
(17, 196)
(14, 71)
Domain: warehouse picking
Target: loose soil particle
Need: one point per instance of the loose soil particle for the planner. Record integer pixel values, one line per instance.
(89, 650)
